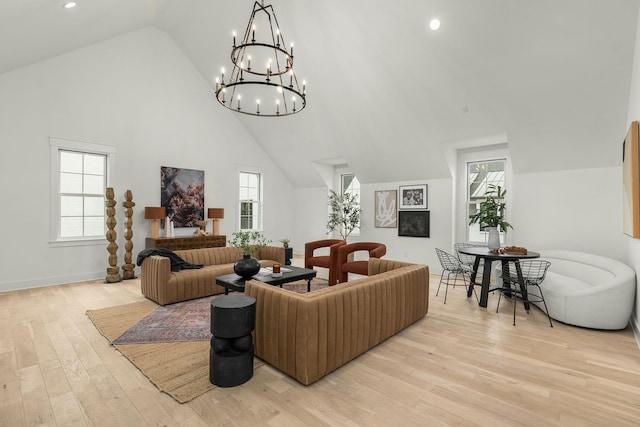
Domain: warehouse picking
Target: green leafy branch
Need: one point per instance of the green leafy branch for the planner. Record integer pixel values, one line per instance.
(492, 209)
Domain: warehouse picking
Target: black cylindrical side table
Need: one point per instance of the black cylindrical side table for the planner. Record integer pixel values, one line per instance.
(233, 317)
(288, 254)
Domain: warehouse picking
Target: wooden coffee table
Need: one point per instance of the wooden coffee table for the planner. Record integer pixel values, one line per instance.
(289, 274)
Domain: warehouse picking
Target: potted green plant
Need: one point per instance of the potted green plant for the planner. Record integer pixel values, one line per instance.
(285, 242)
(491, 214)
(288, 252)
(345, 213)
(250, 242)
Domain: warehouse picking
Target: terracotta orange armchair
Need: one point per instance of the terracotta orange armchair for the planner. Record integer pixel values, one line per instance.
(325, 261)
(346, 266)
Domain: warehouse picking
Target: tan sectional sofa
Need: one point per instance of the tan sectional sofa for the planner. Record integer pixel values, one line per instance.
(310, 335)
(163, 286)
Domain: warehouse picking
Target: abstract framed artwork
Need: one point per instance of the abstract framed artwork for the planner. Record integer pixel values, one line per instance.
(386, 214)
(413, 196)
(413, 223)
(631, 182)
(182, 195)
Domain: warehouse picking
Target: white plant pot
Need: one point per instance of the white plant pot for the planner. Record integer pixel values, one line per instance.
(494, 238)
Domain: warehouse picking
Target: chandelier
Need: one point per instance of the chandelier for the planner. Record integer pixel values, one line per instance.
(262, 81)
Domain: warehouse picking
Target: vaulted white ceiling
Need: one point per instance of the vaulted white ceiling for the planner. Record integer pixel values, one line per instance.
(386, 94)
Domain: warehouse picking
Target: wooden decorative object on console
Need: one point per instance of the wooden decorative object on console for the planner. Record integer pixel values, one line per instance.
(515, 250)
(128, 266)
(182, 243)
(113, 271)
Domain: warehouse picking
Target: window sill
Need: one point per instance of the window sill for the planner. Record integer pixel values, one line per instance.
(78, 242)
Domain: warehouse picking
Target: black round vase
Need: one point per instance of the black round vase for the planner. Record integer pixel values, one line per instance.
(246, 267)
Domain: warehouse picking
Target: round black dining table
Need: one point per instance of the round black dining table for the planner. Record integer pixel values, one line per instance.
(484, 253)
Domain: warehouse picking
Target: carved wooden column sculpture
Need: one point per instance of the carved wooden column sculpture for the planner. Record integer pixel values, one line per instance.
(113, 271)
(128, 266)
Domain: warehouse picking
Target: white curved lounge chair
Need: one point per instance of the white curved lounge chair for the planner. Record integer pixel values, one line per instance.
(587, 290)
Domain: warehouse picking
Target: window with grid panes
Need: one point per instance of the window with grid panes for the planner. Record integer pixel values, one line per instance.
(80, 174)
(81, 194)
(480, 175)
(349, 184)
(250, 186)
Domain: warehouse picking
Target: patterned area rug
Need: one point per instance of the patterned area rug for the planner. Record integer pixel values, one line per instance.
(301, 286)
(183, 321)
(188, 320)
(174, 353)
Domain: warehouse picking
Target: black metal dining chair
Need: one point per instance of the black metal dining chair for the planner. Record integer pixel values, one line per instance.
(467, 261)
(452, 266)
(533, 273)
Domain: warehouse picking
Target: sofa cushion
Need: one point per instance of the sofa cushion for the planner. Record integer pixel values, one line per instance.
(207, 273)
(564, 284)
(206, 256)
(591, 275)
(319, 261)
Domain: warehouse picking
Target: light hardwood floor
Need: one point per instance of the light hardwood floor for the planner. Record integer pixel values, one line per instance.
(461, 365)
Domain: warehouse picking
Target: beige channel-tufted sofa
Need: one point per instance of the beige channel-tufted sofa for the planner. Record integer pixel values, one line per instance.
(310, 335)
(164, 286)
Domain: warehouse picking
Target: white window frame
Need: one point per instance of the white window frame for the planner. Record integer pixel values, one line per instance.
(468, 196)
(260, 202)
(55, 146)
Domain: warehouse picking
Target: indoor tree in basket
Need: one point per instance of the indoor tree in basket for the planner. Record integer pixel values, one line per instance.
(345, 213)
(250, 242)
(491, 214)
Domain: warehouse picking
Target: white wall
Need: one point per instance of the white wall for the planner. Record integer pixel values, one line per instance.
(139, 93)
(576, 210)
(633, 245)
(310, 217)
(412, 249)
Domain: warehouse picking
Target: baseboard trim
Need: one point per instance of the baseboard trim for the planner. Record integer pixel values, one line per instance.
(52, 281)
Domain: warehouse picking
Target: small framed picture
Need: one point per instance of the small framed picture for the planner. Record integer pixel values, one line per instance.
(386, 213)
(413, 197)
(413, 223)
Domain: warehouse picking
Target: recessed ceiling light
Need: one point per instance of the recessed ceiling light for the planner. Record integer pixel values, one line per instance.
(434, 24)
(70, 4)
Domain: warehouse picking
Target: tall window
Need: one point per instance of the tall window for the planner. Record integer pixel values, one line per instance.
(80, 173)
(250, 201)
(83, 181)
(480, 175)
(349, 184)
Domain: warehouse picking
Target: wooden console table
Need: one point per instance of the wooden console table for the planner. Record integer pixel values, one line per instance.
(186, 242)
